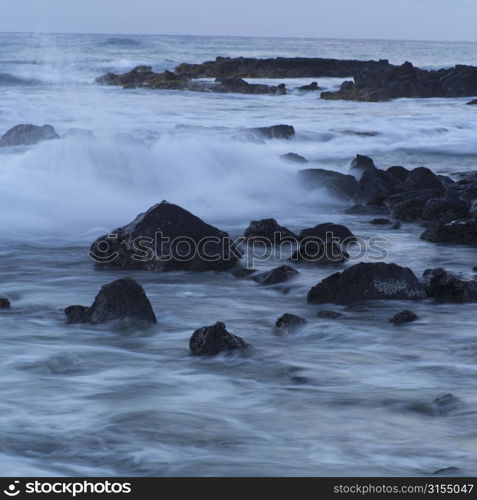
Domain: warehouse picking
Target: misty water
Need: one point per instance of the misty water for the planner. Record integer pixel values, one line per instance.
(351, 396)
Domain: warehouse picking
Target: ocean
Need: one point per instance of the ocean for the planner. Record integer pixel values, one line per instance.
(337, 398)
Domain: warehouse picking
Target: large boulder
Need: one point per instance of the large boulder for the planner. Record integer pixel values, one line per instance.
(460, 231)
(374, 187)
(166, 238)
(336, 183)
(276, 275)
(210, 340)
(119, 300)
(445, 286)
(329, 230)
(445, 209)
(367, 281)
(268, 232)
(422, 178)
(27, 134)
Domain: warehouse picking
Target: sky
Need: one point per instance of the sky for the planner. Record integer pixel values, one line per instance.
(376, 19)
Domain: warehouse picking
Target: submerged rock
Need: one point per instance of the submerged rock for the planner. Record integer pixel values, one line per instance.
(287, 323)
(445, 286)
(166, 238)
(328, 314)
(275, 131)
(473, 102)
(448, 471)
(27, 134)
(312, 86)
(404, 316)
(243, 272)
(380, 222)
(294, 157)
(118, 300)
(268, 232)
(4, 303)
(367, 281)
(277, 275)
(461, 232)
(211, 340)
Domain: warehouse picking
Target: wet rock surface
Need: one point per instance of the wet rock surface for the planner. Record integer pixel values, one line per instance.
(27, 135)
(287, 323)
(211, 340)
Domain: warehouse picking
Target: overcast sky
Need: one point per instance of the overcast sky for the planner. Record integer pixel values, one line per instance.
(395, 19)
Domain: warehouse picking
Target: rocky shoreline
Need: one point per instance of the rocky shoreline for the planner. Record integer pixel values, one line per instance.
(373, 81)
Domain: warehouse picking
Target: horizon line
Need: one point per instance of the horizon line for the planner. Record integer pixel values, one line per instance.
(235, 36)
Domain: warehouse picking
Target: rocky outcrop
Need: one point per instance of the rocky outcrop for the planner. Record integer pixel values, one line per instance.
(211, 340)
(337, 184)
(445, 286)
(276, 275)
(389, 82)
(404, 316)
(166, 238)
(328, 314)
(27, 135)
(367, 281)
(279, 67)
(119, 300)
(460, 232)
(288, 323)
(268, 232)
(143, 76)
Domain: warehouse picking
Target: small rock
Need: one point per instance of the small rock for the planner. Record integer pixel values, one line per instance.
(277, 275)
(312, 86)
(404, 316)
(473, 102)
(449, 471)
(296, 158)
(287, 323)
(361, 164)
(336, 183)
(329, 230)
(4, 303)
(275, 131)
(210, 340)
(118, 300)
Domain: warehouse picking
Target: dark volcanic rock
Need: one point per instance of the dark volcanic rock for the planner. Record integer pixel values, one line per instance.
(243, 272)
(315, 250)
(312, 86)
(239, 86)
(404, 316)
(287, 323)
(422, 178)
(380, 222)
(461, 232)
(374, 187)
(277, 275)
(361, 164)
(390, 82)
(275, 131)
(445, 209)
(294, 157)
(165, 238)
(210, 340)
(449, 287)
(399, 173)
(268, 232)
(4, 303)
(409, 205)
(336, 183)
(367, 281)
(120, 299)
(473, 102)
(280, 67)
(27, 134)
(328, 314)
(329, 230)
